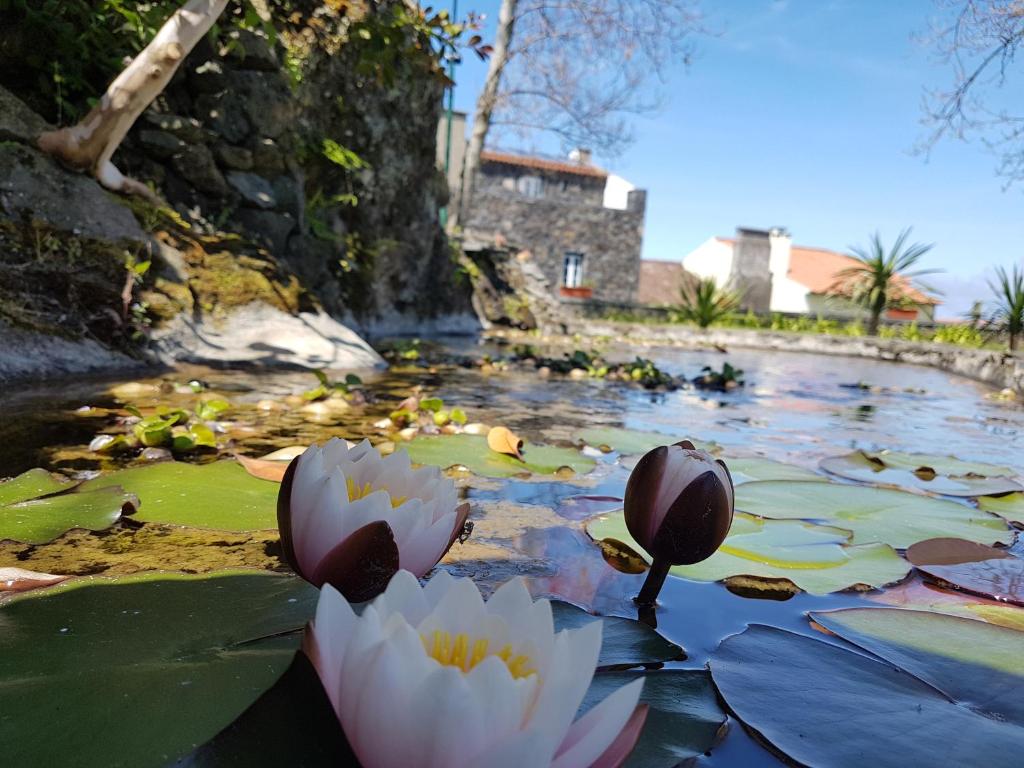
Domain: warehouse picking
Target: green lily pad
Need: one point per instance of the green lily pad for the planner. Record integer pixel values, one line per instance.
(942, 465)
(37, 507)
(38, 521)
(220, 495)
(815, 558)
(881, 515)
(1009, 507)
(899, 470)
(137, 671)
(684, 718)
(975, 663)
(471, 451)
(827, 706)
(624, 642)
(631, 441)
(31, 485)
(751, 469)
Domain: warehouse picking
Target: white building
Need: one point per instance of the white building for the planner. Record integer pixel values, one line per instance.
(776, 276)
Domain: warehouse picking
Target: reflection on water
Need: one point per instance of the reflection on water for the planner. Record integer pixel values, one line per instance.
(793, 409)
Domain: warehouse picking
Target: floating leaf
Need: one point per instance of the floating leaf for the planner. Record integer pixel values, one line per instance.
(219, 495)
(37, 521)
(584, 506)
(631, 441)
(972, 567)
(31, 485)
(504, 440)
(927, 597)
(814, 558)
(292, 723)
(684, 718)
(977, 664)
(826, 706)
(154, 430)
(211, 410)
(1009, 507)
(472, 452)
(624, 642)
(170, 659)
(747, 470)
(882, 515)
(433, 404)
(109, 445)
(264, 469)
(877, 469)
(942, 465)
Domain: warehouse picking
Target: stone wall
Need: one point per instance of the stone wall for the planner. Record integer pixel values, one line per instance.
(548, 227)
(996, 368)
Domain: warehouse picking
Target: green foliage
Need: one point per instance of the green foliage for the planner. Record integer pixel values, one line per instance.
(645, 373)
(1008, 316)
(326, 388)
(883, 278)
(705, 303)
(179, 430)
(961, 335)
(726, 379)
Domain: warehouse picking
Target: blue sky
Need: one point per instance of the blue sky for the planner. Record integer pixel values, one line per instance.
(805, 114)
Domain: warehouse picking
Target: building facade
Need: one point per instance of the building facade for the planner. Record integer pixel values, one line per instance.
(582, 225)
(773, 275)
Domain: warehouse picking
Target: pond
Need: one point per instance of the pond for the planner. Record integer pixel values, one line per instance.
(794, 409)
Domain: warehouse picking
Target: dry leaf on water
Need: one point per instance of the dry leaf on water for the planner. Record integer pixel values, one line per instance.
(504, 440)
(21, 580)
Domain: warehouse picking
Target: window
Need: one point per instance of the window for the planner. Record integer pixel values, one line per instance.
(530, 186)
(572, 270)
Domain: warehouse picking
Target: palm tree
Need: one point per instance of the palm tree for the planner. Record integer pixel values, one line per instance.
(704, 303)
(1009, 305)
(881, 279)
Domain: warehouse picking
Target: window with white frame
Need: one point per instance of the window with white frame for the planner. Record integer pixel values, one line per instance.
(530, 186)
(572, 270)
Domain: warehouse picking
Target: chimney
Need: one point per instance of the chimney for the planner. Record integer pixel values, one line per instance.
(580, 155)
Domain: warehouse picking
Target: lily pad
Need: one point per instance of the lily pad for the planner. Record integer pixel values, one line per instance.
(976, 664)
(39, 520)
(31, 485)
(900, 471)
(827, 706)
(471, 451)
(751, 469)
(975, 568)
(631, 441)
(220, 495)
(137, 671)
(815, 558)
(1009, 507)
(624, 642)
(684, 718)
(922, 596)
(942, 465)
(881, 515)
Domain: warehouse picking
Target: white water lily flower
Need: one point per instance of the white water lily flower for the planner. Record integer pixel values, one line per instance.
(436, 677)
(351, 518)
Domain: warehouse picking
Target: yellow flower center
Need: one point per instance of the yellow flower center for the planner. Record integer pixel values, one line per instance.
(356, 492)
(465, 653)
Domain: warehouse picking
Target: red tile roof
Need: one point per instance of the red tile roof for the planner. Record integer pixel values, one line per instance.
(819, 269)
(544, 164)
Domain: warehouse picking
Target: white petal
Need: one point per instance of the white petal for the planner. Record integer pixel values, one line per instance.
(405, 596)
(383, 718)
(449, 728)
(460, 610)
(330, 630)
(593, 733)
(437, 587)
(323, 526)
(566, 679)
(519, 750)
(425, 548)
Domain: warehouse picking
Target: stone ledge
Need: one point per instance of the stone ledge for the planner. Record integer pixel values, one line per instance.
(998, 369)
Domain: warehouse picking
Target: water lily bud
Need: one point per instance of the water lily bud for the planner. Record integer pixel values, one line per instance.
(679, 504)
(351, 518)
(435, 677)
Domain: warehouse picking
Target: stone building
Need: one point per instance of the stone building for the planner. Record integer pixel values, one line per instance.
(582, 225)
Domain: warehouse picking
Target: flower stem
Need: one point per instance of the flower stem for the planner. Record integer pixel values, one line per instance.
(652, 585)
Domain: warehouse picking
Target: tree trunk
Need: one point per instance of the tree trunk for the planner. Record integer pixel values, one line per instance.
(90, 145)
(873, 323)
(485, 107)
